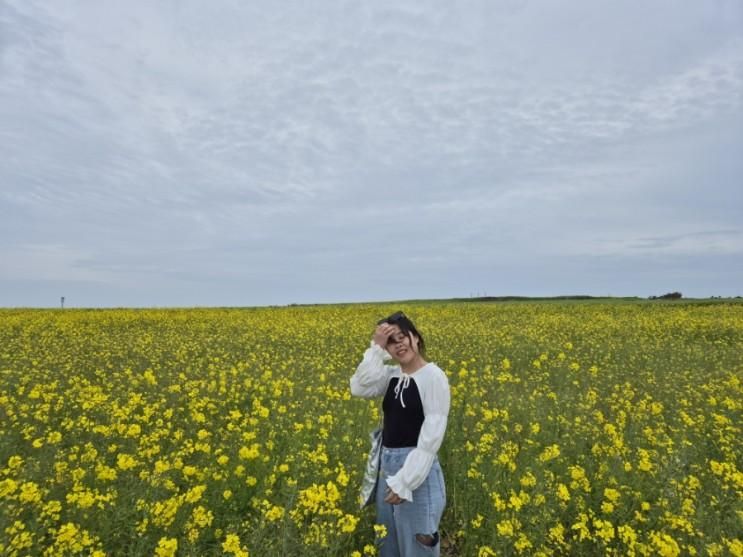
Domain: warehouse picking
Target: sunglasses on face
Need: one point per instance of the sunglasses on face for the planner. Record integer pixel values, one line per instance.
(394, 318)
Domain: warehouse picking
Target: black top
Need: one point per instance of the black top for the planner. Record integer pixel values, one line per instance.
(402, 425)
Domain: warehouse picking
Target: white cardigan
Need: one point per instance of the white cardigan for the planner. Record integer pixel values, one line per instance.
(371, 380)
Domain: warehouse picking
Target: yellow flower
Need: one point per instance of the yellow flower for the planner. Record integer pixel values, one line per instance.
(105, 473)
(522, 543)
(518, 500)
(347, 523)
(231, 544)
(202, 517)
(194, 494)
(505, 528)
(52, 509)
(8, 487)
(67, 533)
(604, 530)
(644, 465)
(611, 494)
(498, 502)
(665, 545)
(70, 538)
(550, 453)
(163, 512)
(166, 547)
(161, 466)
(274, 513)
(54, 437)
(342, 478)
(29, 493)
(582, 528)
(83, 499)
(557, 533)
(380, 531)
(126, 461)
(249, 453)
(477, 521)
(736, 548)
(628, 535)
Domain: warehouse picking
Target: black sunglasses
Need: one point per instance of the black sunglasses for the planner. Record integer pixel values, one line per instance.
(394, 318)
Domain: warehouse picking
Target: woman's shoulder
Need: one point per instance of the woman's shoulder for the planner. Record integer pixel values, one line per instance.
(431, 372)
(433, 386)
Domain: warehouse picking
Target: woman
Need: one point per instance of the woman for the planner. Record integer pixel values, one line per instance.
(410, 488)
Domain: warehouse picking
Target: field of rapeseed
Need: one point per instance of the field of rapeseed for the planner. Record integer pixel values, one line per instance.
(581, 429)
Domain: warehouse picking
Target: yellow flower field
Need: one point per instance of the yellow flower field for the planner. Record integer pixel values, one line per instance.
(576, 429)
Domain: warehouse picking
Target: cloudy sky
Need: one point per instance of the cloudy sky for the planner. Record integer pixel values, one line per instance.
(183, 153)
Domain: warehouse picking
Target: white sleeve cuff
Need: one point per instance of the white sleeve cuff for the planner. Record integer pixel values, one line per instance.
(400, 490)
(412, 474)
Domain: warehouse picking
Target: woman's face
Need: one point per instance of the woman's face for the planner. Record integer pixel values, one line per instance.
(400, 347)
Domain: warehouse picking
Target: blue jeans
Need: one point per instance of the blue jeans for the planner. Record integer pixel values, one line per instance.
(408, 520)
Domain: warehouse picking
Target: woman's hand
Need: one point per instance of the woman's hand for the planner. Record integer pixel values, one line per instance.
(381, 334)
(392, 498)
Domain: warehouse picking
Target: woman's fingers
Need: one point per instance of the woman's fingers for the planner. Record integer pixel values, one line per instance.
(384, 330)
(392, 497)
(381, 333)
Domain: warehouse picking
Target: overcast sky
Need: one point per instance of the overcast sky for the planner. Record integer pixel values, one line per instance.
(189, 153)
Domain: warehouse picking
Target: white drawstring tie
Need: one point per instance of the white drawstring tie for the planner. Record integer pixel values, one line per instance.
(405, 381)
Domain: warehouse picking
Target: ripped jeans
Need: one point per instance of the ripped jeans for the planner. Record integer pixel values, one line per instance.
(412, 527)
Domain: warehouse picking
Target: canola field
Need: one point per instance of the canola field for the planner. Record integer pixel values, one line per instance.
(576, 429)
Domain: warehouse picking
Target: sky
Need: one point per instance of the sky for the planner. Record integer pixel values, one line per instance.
(237, 153)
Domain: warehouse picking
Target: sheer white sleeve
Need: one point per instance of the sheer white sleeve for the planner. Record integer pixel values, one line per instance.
(371, 377)
(436, 400)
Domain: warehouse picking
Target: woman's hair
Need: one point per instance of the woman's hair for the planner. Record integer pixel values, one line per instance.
(406, 326)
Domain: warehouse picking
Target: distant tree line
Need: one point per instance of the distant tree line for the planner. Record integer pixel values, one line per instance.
(667, 296)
